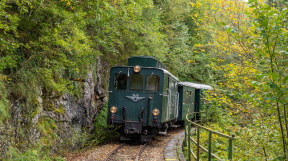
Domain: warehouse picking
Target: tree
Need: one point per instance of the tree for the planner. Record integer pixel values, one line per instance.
(248, 43)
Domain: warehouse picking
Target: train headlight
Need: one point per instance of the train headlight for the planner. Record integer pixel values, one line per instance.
(136, 69)
(113, 109)
(155, 112)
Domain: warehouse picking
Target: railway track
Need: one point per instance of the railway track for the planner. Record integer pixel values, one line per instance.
(126, 152)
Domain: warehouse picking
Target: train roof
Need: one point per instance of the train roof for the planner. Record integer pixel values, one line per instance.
(167, 72)
(195, 85)
(145, 61)
(164, 70)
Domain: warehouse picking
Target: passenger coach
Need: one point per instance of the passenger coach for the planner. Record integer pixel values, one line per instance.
(144, 98)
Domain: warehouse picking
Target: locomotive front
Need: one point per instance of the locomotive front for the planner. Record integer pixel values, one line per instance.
(132, 94)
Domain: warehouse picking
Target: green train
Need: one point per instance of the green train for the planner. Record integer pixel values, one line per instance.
(145, 99)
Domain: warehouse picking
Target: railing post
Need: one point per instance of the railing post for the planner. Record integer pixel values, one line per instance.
(230, 149)
(189, 142)
(198, 143)
(185, 132)
(209, 146)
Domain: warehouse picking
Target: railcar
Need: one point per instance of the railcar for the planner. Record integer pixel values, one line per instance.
(190, 98)
(145, 98)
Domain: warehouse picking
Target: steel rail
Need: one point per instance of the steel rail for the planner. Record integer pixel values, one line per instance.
(118, 147)
(121, 145)
(140, 151)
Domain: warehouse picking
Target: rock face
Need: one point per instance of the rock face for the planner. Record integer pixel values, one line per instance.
(80, 112)
(72, 116)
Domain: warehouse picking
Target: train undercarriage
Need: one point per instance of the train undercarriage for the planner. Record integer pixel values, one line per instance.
(137, 132)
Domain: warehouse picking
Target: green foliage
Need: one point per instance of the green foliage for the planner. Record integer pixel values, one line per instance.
(44, 44)
(101, 132)
(31, 154)
(247, 44)
(238, 48)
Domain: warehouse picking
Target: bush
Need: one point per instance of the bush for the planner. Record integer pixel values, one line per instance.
(101, 132)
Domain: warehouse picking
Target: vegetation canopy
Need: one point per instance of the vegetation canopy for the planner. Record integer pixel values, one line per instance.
(238, 47)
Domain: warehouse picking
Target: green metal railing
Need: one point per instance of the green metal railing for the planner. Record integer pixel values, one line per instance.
(189, 139)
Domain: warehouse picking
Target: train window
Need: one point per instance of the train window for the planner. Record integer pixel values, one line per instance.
(152, 83)
(193, 97)
(136, 82)
(187, 94)
(120, 81)
(168, 82)
(184, 97)
(190, 98)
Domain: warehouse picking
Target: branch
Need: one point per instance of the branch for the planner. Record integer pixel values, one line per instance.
(23, 65)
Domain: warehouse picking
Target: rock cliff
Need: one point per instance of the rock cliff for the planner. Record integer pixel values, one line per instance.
(71, 117)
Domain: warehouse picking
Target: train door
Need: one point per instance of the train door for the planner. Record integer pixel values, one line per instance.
(166, 99)
(169, 98)
(135, 99)
(197, 101)
(176, 100)
(174, 97)
(117, 87)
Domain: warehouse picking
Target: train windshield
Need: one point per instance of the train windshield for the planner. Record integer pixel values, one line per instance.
(136, 82)
(120, 81)
(152, 83)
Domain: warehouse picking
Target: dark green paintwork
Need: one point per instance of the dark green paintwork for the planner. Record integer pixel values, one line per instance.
(118, 98)
(165, 100)
(170, 99)
(186, 103)
(198, 104)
